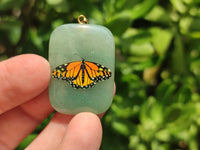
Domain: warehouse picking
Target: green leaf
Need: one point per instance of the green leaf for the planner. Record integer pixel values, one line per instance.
(10, 4)
(178, 56)
(179, 5)
(172, 113)
(121, 21)
(159, 14)
(53, 2)
(145, 49)
(26, 141)
(133, 141)
(163, 135)
(161, 39)
(12, 31)
(190, 26)
(164, 92)
(121, 127)
(184, 94)
(59, 5)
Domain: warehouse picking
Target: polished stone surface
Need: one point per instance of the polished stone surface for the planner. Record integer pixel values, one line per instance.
(69, 43)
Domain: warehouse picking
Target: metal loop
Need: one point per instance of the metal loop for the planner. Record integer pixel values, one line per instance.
(82, 19)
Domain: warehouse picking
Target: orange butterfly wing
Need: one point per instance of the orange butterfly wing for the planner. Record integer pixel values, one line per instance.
(82, 74)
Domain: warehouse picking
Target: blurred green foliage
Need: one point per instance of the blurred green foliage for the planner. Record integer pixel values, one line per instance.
(157, 102)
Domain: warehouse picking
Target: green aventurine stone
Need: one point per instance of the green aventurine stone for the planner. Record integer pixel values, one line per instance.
(69, 43)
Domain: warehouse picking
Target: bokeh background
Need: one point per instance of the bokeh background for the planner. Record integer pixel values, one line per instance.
(157, 102)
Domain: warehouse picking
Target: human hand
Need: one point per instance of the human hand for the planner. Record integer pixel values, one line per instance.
(24, 104)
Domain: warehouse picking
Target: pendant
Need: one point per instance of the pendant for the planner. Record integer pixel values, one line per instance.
(82, 60)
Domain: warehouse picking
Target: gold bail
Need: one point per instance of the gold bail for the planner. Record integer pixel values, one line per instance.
(82, 19)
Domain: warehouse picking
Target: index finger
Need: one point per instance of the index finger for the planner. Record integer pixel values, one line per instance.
(22, 78)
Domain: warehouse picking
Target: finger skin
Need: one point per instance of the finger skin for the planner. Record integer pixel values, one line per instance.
(22, 78)
(84, 132)
(51, 137)
(68, 132)
(19, 122)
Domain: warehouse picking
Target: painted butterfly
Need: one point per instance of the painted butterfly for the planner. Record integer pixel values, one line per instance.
(82, 74)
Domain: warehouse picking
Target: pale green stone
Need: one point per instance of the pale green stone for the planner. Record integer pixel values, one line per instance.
(69, 43)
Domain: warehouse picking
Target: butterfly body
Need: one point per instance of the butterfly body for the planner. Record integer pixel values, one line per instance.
(82, 74)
